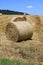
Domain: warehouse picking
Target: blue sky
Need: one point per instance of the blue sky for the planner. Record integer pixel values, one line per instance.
(28, 6)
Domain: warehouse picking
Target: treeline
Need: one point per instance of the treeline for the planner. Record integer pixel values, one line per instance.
(9, 12)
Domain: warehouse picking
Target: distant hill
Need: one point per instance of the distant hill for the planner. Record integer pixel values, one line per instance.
(9, 12)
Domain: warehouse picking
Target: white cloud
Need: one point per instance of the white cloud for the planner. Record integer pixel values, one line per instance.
(29, 7)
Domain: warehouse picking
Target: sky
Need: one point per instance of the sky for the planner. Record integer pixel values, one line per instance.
(34, 7)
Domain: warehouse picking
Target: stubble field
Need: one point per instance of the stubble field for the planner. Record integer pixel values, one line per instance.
(28, 50)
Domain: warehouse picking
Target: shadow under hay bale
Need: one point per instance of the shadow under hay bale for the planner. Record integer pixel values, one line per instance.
(18, 31)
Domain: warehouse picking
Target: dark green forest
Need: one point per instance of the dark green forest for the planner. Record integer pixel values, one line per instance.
(9, 12)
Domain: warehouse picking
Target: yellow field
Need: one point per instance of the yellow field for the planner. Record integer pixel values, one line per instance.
(29, 50)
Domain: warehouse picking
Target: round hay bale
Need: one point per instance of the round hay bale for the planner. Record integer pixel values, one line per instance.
(15, 19)
(18, 31)
(34, 20)
(37, 19)
(24, 17)
(0, 13)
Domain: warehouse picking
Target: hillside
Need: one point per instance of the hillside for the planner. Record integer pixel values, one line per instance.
(27, 51)
(9, 12)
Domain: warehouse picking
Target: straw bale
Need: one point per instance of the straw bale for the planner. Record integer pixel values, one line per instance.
(37, 19)
(18, 31)
(15, 19)
(0, 13)
(34, 20)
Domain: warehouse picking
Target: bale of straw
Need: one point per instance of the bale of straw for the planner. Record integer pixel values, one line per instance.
(0, 13)
(34, 20)
(24, 17)
(15, 19)
(18, 31)
(37, 19)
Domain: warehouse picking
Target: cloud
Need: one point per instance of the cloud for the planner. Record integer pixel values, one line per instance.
(29, 7)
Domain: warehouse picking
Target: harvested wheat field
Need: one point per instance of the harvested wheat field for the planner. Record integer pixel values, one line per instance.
(28, 50)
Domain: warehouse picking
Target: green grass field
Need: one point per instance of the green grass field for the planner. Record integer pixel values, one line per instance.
(14, 62)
